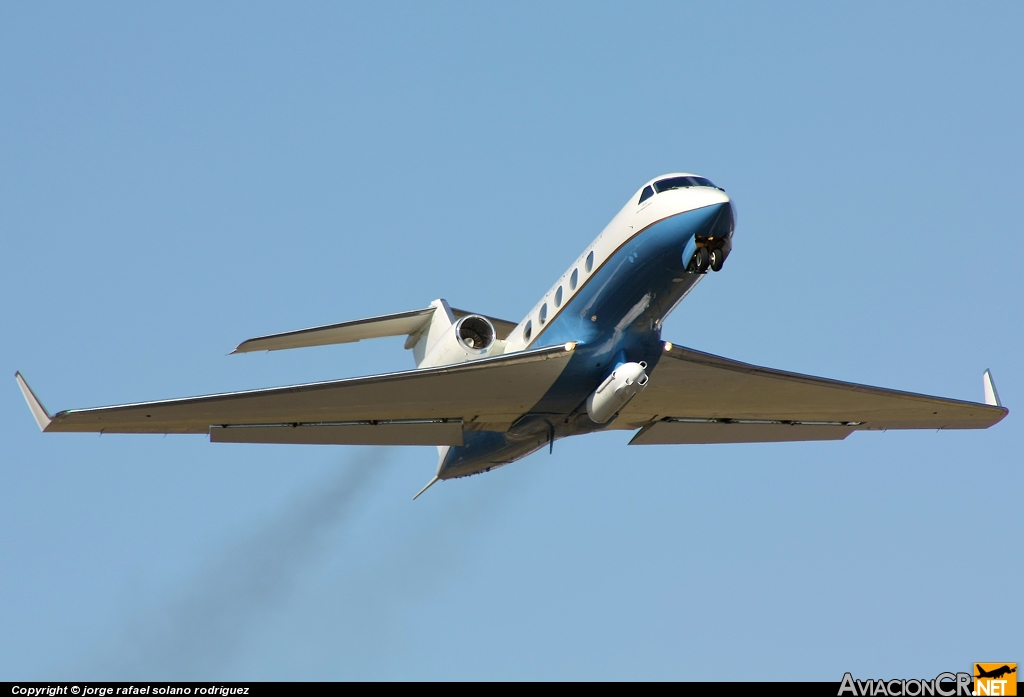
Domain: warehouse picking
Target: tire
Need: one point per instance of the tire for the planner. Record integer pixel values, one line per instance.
(717, 259)
(701, 259)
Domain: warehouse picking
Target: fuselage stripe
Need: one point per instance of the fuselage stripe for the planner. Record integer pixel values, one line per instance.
(594, 273)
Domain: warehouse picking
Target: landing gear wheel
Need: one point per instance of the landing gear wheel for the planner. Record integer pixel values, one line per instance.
(701, 259)
(717, 259)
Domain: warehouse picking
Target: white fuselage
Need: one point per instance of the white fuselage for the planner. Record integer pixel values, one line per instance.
(629, 222)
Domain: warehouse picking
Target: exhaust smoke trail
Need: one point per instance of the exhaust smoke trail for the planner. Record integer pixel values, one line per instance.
(202, 629)
(362, 622)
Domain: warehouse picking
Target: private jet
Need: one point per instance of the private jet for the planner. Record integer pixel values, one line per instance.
(588, 357)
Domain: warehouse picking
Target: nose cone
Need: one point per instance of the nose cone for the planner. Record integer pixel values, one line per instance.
(724, 223)
(707, 241)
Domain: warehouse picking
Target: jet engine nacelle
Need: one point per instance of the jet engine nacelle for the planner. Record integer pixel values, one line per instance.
(471, 337)
(625, 382)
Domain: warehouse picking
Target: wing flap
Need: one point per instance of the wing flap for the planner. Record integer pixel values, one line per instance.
(379, 433)
(468, 391)
(673, 431)
(690, 384)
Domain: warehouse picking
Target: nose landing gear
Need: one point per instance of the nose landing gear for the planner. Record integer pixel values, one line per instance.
(707, 257)
(701, 260)
(717, 259)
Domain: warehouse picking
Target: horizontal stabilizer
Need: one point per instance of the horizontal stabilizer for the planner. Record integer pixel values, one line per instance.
(398, 324)
(410, 323)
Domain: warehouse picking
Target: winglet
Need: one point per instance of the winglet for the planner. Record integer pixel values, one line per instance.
(35, 406)
(429, 484)
(991, 395)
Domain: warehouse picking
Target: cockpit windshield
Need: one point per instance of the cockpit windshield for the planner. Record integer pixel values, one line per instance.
(681, 183)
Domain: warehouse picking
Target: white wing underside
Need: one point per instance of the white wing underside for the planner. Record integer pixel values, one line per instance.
(417, 407)
(692, 397)
(695, 397)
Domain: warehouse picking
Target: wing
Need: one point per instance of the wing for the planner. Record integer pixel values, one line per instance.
(428, 407)
(695, 397)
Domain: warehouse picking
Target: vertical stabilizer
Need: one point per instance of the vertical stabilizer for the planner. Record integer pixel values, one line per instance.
(431, 483)
(440, 322)
(442, 453)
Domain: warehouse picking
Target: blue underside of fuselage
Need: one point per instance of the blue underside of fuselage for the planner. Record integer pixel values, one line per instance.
(619, 310)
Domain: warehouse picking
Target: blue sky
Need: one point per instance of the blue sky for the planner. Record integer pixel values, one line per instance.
(178, 178)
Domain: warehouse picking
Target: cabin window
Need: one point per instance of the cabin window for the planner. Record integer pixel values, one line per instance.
(681, 183)
(645, 194)
(558, 297)
(543, 313)
(574, 279)
(590, 262)
(528, 330)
